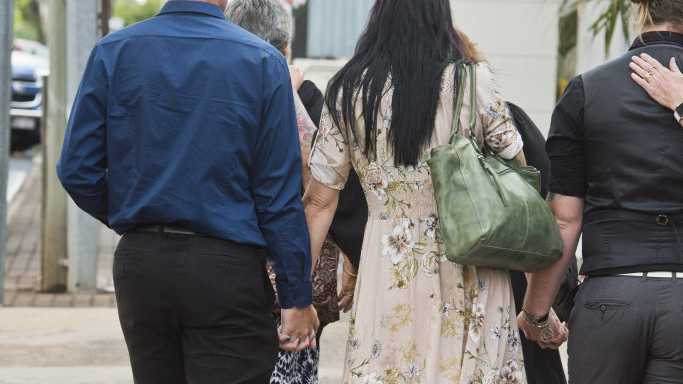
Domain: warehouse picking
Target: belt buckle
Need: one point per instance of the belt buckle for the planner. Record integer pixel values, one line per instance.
(663, 220)
(176, 231)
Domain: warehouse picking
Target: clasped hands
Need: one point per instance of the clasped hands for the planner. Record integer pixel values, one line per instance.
(549, 335)
(298, 329)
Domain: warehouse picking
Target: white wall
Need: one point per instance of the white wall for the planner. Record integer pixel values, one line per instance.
(520, 39)
(319, 71)
(335, 25)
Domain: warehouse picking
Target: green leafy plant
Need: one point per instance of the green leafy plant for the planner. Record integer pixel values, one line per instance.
(606, 23)
(27, 21)
(133, 11)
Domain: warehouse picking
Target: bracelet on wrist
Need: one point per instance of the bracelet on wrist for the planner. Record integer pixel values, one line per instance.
(536, 321)
(349, 273)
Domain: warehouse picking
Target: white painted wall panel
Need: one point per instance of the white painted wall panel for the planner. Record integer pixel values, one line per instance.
(519, 38)
(335, 25)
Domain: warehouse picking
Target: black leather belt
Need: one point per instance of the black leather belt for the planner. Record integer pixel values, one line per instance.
(165, 229)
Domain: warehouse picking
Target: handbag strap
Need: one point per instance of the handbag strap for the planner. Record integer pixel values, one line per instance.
(464, 72)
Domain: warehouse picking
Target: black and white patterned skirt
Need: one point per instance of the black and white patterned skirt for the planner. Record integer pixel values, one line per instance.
(296, 367)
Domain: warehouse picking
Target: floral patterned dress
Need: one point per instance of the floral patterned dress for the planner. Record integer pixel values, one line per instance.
(417, 317)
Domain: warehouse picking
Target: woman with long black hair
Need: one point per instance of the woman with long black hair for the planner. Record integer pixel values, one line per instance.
(417, 318)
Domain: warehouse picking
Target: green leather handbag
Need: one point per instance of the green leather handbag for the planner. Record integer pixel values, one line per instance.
(491, 213)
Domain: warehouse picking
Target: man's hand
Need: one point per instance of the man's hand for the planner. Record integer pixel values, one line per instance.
(298, 329)
(551, 336)
(663, 84)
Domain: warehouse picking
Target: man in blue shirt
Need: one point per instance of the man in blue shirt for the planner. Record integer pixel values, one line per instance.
(183, 138)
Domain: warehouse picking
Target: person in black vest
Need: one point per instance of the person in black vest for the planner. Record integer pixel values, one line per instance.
(617, 177)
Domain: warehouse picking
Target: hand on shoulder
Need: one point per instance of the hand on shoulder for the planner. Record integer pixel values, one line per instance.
(663, 84)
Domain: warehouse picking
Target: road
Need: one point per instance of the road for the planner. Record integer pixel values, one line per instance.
(19, 167)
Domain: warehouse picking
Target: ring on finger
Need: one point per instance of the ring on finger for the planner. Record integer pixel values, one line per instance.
(546, 336)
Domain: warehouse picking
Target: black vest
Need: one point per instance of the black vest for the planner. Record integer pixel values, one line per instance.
(634, 169)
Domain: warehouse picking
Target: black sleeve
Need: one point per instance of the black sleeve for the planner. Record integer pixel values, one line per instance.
(313, 101)
(565, 144)
(534, 145)
(348, 226)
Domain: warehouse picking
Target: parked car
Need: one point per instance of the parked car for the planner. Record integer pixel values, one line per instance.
(30, 63)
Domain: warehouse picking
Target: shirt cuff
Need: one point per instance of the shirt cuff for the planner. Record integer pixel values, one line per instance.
(567, 175)
(512, 150)
(295, 295)
(564, 190)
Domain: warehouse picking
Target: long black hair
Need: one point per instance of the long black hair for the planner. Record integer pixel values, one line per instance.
(410, 42)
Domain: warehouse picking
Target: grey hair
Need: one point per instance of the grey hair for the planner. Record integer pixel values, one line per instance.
(267, 19)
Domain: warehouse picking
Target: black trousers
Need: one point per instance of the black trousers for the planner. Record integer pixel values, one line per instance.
(627, 330)
(194, 310)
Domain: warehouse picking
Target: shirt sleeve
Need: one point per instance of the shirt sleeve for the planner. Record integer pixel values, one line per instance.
(82, 167)
(565, 144)
(276, 187)
(498, 128)
(330, 161)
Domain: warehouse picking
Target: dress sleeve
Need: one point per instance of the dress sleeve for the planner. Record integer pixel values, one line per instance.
(330, 160)
(565, 144)
(499, 131)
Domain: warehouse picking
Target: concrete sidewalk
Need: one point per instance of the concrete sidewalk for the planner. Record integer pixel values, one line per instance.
(85, 346)
(22, 277)
(19, 168)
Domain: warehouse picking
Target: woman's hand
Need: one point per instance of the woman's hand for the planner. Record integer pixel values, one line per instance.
(297, 77)
(663, 84)
(348, 285)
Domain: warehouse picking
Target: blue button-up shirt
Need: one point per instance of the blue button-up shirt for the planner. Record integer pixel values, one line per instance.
(188, 120)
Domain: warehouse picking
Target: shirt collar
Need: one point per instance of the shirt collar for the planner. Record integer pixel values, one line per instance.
(658, 38)
(188, 6)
